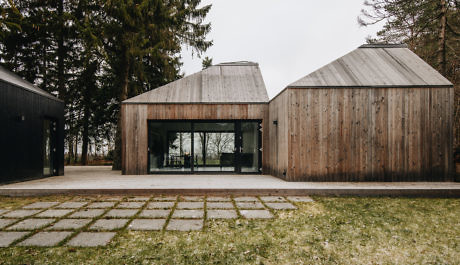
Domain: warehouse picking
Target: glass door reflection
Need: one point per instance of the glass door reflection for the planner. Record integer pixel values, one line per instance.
(214, 147)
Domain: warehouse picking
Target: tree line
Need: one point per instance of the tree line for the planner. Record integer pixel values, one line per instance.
(93, 54)
(430, 28)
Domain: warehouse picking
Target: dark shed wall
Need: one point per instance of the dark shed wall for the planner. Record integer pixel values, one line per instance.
(21, 142)
(368, 134)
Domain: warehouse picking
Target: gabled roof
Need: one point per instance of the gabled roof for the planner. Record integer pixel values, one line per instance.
(375, 65)
(237, 82)
(14, 79)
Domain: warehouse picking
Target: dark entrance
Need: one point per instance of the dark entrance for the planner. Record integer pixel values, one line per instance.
(204, 146)
(49, 147)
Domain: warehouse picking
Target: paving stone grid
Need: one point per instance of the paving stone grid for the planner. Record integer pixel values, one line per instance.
(92, 222)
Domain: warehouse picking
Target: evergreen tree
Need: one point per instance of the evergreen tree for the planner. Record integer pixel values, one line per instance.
(94, 54)
(207, 62)
(143, 41)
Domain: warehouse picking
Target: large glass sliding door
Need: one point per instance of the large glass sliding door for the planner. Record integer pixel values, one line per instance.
(214, 146)
(250, 147)
(170, 146)
(204, 146)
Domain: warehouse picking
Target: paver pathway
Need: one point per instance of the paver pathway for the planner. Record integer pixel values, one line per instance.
(95, 221)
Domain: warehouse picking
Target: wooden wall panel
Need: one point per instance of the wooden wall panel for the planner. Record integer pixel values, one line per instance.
(277, 153)
(135, 117)
(391, 134)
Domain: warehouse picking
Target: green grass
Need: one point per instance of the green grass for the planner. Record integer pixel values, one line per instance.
(328, 231)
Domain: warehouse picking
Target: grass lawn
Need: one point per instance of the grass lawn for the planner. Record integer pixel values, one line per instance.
(327, 231)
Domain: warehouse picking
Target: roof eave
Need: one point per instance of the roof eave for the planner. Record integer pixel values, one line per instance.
(43, 94)
(374, 86)
(194, 103)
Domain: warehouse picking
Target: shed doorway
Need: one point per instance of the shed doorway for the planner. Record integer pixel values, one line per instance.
(49, 147)
(202, 146)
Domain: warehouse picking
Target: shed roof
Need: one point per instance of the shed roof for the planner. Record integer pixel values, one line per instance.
(236, 82)
(14, 79)
(375, 65)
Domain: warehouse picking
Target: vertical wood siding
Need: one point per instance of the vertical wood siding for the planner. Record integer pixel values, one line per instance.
(391, 134)
(135, 117)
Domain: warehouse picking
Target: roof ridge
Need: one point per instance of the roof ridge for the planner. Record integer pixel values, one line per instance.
(384, 45)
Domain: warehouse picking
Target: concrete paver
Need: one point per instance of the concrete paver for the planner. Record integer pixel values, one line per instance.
(188, 214)
(101, 205)
(219, 205)
(222, 214)
(192, 198)
(6, 222)
(130, 205)
(40, 205)
(2, 211)
(31, 224)
(246, 199)
(185, 225)
(147, 224)
(69, 224)
(165, 198)
(218, 199)
(190, 205)
(6, 238)
(112, 198)
(91, 239)
(71, 205)
(256, 214)
(250, 205)
(300, 199)
(139, 198)
(108, 224)
(272, 199)
(20, 213)
(155, 213)
(280, 205)
(121, 213)
(160, 205)
(54, 213)
(45, 239)
(87, 213)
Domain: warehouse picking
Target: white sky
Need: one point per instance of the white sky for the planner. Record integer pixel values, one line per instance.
(288, 38)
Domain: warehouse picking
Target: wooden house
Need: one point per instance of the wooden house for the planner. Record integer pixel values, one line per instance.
(379, 113)
(210, 121)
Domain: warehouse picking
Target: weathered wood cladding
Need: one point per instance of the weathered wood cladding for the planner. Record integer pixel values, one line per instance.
(278, 137)
(135, 117)
(362, 134)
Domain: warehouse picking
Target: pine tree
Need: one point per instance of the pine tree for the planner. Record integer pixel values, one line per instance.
(144, 38)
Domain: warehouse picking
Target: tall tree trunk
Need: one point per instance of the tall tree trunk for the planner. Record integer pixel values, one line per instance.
(76, 148)
(442, 37)
(123, 95)
(85, 136)
(61, 50)
(70, 144)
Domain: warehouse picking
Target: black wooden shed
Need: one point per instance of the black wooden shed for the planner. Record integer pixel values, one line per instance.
(31, 130)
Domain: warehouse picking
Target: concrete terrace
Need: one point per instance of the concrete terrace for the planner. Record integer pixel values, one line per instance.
(102, 180)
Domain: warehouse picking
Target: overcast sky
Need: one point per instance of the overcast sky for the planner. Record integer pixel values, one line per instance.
(288, 38)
